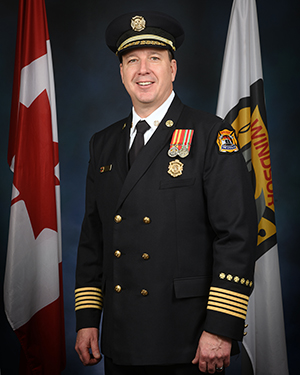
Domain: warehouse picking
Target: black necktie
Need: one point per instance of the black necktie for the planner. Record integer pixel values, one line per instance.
(138, 142)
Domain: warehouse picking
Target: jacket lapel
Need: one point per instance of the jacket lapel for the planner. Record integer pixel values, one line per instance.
(121, 152)
(158, 140)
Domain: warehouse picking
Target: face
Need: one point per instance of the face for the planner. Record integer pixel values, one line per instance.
(148, 75)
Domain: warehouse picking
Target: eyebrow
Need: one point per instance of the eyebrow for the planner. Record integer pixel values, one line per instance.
(129, 56)
(151, 52)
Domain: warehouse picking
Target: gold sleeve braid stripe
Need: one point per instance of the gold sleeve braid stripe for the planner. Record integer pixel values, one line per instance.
(228, 302)
(88, 297)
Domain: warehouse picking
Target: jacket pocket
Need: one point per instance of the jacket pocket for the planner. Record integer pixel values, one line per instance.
(180, 182)
(192, 286)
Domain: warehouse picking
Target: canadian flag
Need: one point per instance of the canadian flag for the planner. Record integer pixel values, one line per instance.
(33, 277)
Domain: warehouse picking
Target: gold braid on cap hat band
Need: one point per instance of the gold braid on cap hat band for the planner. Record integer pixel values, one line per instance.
(139, 39)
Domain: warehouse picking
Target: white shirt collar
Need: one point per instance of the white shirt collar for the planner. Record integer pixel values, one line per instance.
(155, 118)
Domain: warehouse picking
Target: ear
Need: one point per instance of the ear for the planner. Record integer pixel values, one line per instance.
(173, 69)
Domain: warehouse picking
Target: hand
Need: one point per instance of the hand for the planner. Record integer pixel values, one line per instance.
(87, 346)
(213, 352)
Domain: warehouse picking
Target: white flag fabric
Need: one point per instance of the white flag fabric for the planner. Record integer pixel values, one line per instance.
(241, 102)
(33, 276)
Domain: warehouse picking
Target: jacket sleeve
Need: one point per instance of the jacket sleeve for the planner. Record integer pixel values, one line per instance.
(232, 214)
(88, 288)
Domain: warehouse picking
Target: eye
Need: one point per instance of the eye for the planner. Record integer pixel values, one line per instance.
(154, 58)
(131, 60)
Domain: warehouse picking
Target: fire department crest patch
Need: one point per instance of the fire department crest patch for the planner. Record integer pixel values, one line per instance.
(227, 141)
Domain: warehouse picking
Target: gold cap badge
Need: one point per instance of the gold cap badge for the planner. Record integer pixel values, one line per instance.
(175, 168)
(138, 23)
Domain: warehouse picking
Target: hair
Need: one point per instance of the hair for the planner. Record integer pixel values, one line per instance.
(171, 55)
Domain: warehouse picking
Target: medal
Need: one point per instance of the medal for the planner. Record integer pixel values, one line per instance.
(173, 151)
(181, 143)
(183, 153)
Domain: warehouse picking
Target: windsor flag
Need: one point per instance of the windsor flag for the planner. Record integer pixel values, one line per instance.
(241, 102)
(33, 276)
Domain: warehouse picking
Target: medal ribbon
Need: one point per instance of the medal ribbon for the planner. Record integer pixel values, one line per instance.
(188, 138)
(182, 137)
(175, 138)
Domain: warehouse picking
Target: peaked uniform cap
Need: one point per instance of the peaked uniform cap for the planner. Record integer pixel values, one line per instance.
(144, 29)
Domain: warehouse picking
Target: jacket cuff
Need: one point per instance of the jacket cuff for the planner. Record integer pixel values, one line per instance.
(87, 318)
(88, 307)
(226, 313)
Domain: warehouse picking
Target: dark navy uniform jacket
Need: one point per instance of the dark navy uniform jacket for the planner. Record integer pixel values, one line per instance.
(165, 257)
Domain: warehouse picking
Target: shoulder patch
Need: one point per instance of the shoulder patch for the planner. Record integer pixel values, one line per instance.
(227, 141)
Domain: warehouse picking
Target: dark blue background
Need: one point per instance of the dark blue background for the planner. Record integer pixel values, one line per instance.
(90, 96)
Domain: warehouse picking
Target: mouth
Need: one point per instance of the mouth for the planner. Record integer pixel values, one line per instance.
(144, 84)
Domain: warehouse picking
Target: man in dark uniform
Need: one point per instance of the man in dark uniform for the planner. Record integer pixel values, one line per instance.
(169, 234)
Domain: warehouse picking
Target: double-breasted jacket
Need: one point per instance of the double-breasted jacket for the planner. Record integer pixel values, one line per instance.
(166, 255)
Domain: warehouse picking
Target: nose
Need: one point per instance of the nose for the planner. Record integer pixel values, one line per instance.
(144, 67)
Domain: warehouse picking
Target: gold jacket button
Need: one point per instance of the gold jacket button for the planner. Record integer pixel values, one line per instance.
(145, 256)
(146, 220)
(118, 288)
(118, 218)
(144, 292)
(117, 253)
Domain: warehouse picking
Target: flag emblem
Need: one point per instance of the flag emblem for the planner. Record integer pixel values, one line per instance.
(227, 141)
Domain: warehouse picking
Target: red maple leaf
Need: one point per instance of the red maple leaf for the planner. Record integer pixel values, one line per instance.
(36, 157)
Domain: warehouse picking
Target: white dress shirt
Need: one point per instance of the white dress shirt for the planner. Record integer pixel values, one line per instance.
(153, 120)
